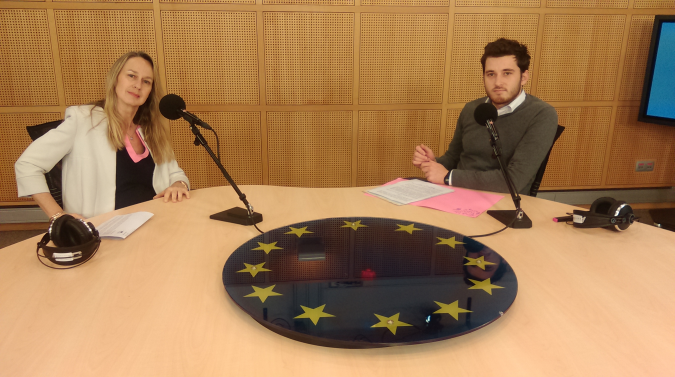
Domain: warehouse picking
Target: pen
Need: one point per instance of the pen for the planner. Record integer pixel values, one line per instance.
(562, 219)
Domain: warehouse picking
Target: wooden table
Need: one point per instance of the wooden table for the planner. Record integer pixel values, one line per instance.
(591, 302)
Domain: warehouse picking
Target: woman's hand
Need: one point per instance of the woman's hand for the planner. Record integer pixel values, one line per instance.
(51, 208)
(175, 192)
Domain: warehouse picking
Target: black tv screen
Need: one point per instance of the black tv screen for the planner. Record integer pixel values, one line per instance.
(658, 93)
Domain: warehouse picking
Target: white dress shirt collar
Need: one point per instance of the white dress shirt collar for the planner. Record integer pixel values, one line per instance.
(511, 107)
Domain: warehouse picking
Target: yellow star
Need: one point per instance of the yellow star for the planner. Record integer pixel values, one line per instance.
(314, 314)
(253, 270)
(263, 293)
(452, 309)
(355, 225)
(390, 322)
(407, 228)
(480, 262)
(449, 241)
(484, 285)
(267, 247)
(298, 231)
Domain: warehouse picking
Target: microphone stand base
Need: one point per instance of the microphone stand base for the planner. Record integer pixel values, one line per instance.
(509, 218)
(237, 215)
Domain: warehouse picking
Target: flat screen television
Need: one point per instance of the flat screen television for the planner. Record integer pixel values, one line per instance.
(658, 92)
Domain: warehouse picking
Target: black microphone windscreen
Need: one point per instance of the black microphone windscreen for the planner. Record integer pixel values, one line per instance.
(170, 105)
(484, 112)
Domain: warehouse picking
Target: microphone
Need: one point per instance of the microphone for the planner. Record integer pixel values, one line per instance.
(173, 107)
(485, 114)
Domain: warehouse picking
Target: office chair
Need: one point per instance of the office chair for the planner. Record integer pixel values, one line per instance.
(534, 189)
(53, 176)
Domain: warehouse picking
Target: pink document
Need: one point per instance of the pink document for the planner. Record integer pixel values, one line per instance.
(461, 202)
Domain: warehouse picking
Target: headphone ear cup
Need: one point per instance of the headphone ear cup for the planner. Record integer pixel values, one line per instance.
(602, 205)
(55, 230)
(68, 231)
(624, 210)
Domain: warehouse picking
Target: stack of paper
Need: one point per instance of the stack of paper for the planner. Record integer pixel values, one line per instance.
(122, 226)
(461, 201)
(406, 192)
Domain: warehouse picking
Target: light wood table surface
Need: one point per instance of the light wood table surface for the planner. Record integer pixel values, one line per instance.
(591, 302)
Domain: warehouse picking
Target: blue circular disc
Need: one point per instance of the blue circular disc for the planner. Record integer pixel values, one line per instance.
(367, 282)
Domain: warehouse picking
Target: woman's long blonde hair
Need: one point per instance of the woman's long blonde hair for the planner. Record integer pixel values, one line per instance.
(157, 136)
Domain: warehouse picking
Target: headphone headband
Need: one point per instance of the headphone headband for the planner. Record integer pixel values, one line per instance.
(76, 242)
(605, 212)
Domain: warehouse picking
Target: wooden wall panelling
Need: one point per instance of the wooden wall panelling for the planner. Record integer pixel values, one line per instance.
(90, 41)
(105, 1)
(308, 2)
(240, 149)
(471, 33)
(650, 4)
(27, 75)
(310, 148)
(387, 140)
(632, 141)
(595, 4)
(211, 56)
(408, 3)
(246, 65)
(14, 139)
(577, 158)
(639, 37)
(580, 57)
(250, 2)
(499, 3)
(309, 58)
(402, 58)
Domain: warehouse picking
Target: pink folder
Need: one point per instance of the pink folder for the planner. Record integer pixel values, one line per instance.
(461, 202)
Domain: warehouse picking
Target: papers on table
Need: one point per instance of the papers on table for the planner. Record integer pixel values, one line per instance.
(120, 227)
(406, 192)
(463, 202)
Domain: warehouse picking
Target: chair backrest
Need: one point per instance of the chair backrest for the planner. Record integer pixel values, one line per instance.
(53, 176)
(540, 173)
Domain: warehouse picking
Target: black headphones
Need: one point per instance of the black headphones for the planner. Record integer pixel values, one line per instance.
(605, 212)
(77, 241)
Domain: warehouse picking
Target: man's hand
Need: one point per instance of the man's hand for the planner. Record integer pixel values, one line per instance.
(423, 154)
(434, 172)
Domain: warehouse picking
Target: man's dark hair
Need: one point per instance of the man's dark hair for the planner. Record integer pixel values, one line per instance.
(505, 47)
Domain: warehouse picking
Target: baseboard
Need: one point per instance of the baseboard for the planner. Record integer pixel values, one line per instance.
(23, 226)
(632, 196)
(22, 215)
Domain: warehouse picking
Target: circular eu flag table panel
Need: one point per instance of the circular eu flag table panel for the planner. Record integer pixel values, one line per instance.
(369, 282)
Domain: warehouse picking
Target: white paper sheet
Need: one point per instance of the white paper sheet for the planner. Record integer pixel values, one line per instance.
(409, 191)
(120, 227)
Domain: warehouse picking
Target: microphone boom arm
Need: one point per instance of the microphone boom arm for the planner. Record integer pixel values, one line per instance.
(507, 217)
(234, 215)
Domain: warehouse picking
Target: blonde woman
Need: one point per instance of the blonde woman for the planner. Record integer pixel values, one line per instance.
(115, 152)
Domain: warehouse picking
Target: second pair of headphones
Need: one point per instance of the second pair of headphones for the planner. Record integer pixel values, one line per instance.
(605, 212)
(76, 242)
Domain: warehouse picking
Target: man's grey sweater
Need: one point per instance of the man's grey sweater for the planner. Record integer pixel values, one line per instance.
(525, 136)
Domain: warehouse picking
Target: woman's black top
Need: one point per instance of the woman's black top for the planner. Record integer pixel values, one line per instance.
(134, 180)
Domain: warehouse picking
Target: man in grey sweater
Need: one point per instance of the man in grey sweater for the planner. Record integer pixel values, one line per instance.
(526, 125)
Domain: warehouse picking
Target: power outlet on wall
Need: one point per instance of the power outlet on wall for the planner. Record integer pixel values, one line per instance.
(644, 165)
